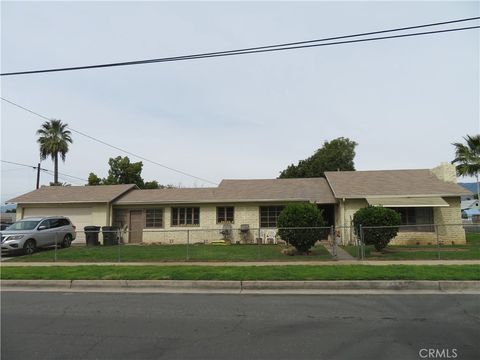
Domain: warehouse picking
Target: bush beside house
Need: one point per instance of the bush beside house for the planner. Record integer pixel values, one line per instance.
(387, 221)
(296, 223)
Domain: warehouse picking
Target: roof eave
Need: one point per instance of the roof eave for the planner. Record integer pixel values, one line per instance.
(166, 202)
(62, 202)
(345, 196)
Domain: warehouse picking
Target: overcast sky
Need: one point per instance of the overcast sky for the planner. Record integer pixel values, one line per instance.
(403, 100)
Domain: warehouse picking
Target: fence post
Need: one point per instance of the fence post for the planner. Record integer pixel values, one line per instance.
(361, 243)
(56, 243)
(438, 242)
(258, 243)
(188, 245)
(118, 246)
(334, 241)
(359, 240)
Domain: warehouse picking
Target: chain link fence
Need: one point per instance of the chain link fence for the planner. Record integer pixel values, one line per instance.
(108, 244)
(417, 242)
(413, 242)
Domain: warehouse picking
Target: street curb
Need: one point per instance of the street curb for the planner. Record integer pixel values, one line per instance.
(36, 284)
(206, 285)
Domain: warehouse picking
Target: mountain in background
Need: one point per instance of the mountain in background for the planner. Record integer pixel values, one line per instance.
(470, 186)
(4, 208)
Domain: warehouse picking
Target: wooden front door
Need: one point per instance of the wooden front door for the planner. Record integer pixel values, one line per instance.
(136, 226)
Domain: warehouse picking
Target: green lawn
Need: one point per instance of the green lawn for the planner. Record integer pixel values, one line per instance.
(287, 272)
(470, 251)
(159, 253)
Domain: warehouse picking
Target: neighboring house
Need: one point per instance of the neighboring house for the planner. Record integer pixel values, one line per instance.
(6, 219)
(472, 188)
(470, 204)
(470, 214)
(199, 214)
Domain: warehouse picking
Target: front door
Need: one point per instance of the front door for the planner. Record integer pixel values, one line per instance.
(136, 226)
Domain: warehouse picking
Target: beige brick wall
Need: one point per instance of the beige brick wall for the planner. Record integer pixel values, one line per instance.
(448, 218)
(451, 217)
(344, 212)
(446, 172)
(208, 230)
(450, 228)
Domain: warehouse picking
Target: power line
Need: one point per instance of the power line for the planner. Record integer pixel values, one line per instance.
(270, 48)
(113, 146)
(46, 170)
(15, 163)
(51, 173)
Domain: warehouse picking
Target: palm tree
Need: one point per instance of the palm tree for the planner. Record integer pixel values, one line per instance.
(467, 158)
(54, 139)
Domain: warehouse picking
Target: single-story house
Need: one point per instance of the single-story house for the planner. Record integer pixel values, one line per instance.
(179, 215)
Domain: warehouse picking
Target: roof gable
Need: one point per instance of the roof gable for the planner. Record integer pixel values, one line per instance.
(360, 184)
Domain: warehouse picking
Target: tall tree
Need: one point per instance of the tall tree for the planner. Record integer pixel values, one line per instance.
(467, 158)
(122, 171)
(334, 155)
(54, 138)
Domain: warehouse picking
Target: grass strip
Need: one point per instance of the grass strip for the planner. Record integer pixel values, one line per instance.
(164, 253)
(469, 251)
(287, 272)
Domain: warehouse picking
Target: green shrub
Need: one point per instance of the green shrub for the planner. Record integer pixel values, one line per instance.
(300, 216)
(377, 216)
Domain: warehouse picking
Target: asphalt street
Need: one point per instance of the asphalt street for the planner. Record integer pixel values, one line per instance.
(58, 325)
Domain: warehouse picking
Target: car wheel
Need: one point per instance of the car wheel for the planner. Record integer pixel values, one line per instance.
(29, 247)
(67, 241)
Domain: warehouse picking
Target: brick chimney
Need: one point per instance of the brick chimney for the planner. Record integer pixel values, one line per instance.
(445, 172)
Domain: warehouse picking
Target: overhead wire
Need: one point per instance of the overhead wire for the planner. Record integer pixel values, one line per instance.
(43, 169)
(270, 48)
(51, 173)
(113, 146)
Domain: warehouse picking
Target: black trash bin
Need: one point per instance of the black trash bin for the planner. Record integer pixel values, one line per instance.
(91, 235)
(109, 235)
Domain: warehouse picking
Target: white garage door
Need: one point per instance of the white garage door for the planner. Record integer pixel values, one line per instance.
(80, 217)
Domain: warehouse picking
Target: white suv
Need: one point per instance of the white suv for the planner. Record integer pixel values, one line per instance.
(31, 233)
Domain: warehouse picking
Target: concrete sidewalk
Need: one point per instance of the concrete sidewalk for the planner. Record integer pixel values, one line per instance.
(249, 263)
(239, 287)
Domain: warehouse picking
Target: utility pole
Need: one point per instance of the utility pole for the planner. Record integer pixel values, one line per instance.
(38, 175)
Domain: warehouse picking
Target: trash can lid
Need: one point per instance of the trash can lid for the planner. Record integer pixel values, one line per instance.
(91, 227)
(109, 228)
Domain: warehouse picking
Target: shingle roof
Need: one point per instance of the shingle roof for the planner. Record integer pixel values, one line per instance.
(310, 189)
(72, 194)
(181, 195)
(315, 190)
(360, 184)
